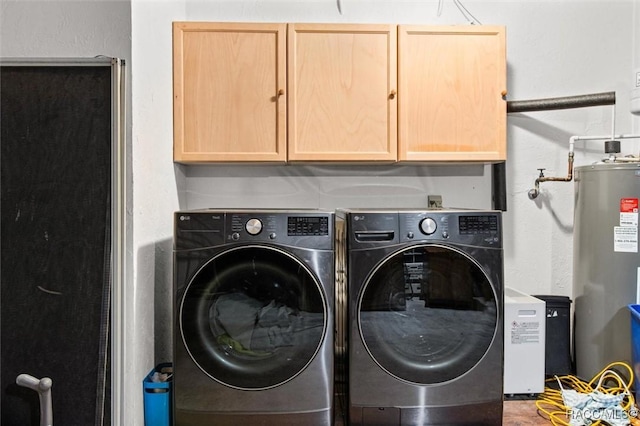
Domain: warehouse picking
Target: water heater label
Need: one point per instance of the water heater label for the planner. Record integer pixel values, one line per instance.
(625, 239)
(628, 212)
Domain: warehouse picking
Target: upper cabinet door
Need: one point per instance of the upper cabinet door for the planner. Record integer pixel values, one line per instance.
(452, 87)
(229, 92)
(342, 92)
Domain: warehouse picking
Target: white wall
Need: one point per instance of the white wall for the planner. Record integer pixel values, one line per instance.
(65, 29)
(554, 48)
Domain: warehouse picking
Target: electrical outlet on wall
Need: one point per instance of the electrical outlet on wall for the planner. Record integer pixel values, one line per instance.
(434, 201)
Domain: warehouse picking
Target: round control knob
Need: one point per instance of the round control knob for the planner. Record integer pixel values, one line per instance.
(428, 226)
(253, 226)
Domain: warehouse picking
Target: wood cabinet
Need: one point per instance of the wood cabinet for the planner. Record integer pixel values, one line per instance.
(342, 103)
(229, 92)
(451, 94)
(338, 92)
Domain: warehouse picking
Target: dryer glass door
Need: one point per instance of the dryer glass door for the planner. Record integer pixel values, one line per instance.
(427, 314)
(253, 317)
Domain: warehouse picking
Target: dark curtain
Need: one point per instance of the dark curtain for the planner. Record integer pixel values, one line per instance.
(55, 181)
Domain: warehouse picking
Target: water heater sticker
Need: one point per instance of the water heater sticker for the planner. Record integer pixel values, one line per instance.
(625, 239)
(629, 212)
(523, 332)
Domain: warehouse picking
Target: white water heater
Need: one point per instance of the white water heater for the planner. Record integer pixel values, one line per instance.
(606, 263)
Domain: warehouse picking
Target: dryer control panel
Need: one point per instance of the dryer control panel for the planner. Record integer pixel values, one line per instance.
(307, 225)
(208, 228)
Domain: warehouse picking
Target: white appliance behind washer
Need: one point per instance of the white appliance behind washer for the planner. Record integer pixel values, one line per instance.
(524, 343)
(254, 297)
(425, 322)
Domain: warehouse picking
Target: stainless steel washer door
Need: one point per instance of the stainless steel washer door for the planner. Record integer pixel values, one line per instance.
(427, 314)
(253, 317)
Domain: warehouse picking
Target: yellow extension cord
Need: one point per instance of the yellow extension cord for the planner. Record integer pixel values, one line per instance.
(551, 406)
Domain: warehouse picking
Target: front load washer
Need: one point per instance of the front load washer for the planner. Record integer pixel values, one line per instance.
(253, 336)
(425, 301)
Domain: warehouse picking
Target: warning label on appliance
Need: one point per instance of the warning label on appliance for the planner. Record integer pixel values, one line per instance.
(628, 212)
(625, 239)
(523, 332)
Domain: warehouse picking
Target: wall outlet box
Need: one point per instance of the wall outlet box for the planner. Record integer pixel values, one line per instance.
(434, 201)
(524, 343)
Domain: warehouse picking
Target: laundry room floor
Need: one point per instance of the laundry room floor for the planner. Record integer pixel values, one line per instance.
(522, 413)
(525, 413)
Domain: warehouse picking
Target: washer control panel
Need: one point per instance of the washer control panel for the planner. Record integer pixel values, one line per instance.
(428, 226)
(424, 225)
(382, 227)
(478, 224)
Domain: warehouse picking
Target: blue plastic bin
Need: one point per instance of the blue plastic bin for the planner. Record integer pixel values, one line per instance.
(635, 345)
(157, 399)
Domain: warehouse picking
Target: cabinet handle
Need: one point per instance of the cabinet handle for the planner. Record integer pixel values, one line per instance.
(280, 92)
(392, 95)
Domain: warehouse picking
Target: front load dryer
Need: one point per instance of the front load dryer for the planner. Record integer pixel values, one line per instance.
(253, 330)
(425, 326)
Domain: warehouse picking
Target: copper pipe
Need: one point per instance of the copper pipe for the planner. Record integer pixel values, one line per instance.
(533, 193)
